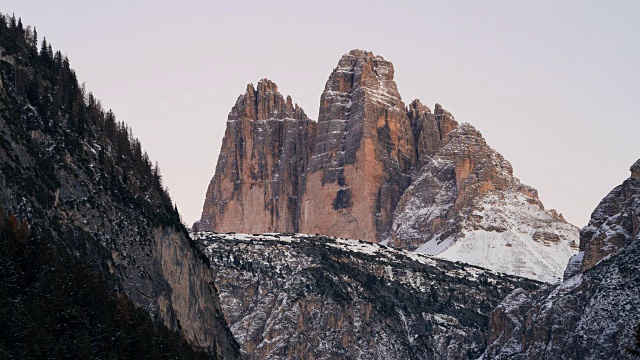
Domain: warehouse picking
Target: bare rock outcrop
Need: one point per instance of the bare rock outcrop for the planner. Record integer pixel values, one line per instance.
(430, 130)
(363, 153)
(261, 170)
(614, 224)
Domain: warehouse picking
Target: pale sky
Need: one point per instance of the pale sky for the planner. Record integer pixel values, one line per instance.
(553, 86)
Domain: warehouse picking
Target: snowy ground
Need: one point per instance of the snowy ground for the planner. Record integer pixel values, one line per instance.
(523, 240)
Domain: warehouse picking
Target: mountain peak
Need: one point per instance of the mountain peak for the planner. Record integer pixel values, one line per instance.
(359, 53)
(265, 102)
(374, 169)
(265, 86)
(418, 107)
(366, 69)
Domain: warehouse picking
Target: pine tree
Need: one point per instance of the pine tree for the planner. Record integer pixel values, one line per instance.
(34, 40)
(44, 51)
(57, 59)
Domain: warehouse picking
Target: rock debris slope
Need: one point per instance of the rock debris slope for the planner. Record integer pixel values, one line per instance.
(317, 297)
(594, 313)
(375, 169)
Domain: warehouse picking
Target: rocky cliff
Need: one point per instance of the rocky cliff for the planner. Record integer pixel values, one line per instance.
(378, 170)
(261, 171)
(364, 151)
(83, 184)
(613, 225)
(317, 297)
(594, 313)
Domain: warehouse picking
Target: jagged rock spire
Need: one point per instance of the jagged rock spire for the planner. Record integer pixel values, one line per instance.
(375, 169)
(265, 102)
(261, 168)
(363, 153)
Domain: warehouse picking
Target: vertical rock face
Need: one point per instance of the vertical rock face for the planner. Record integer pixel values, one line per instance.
(593, 314)
(261, 169)
(363, 152)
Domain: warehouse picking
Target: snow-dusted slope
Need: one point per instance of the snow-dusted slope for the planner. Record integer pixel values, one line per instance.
(466, 205)
(506, 233)
(317, 297)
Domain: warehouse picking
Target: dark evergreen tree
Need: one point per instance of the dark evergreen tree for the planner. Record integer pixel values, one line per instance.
(44, 48)
(34, 39)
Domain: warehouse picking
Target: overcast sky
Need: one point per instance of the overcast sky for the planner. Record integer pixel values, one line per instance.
(551, 85)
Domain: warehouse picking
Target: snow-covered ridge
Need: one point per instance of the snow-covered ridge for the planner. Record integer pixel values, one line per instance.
(350, 245)
(288, 295)
(383, 253)
(507, 233)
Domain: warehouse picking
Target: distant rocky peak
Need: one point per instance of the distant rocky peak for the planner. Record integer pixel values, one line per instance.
(362, 73)
(265, 103)
(446, 121)
(417, 108)
(267, 86)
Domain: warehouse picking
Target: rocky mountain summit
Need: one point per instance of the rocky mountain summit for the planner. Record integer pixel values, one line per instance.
(375, 169)
(594, 313)
(466, 205)
(363, 154)
(262, 167)
(316, 297)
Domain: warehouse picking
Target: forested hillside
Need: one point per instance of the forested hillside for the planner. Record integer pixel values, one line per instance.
(99, 264)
